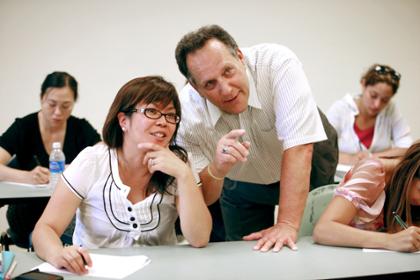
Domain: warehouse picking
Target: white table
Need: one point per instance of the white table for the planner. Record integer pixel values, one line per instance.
(237, 260)
(15, 193)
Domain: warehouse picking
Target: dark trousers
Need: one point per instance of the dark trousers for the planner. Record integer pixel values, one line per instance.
(22, 218)
(245, 208)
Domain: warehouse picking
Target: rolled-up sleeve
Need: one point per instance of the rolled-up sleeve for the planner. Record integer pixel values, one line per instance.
(364, 187)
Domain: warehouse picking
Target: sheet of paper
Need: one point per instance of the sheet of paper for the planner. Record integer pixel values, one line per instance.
(27, 185)
(367, 250)
(342, 169)
(106, 266)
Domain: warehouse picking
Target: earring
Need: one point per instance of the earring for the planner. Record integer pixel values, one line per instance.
(123, 129)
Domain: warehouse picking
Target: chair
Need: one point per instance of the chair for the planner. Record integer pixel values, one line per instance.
(317, 201)
(5, 241)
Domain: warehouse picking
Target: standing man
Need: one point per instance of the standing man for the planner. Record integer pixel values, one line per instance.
(249, 121)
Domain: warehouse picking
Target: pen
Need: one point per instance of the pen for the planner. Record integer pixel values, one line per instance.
(8, 274)
(399, 220)
(83, 258)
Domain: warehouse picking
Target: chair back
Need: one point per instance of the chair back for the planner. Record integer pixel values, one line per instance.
(317, 201)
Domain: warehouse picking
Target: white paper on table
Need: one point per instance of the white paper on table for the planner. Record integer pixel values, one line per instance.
(27, 185)
(367, 250)
(106, 266)
(342, 169)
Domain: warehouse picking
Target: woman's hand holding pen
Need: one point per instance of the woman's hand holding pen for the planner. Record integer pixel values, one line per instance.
(38, 175)
(74, 259)
(407, 240)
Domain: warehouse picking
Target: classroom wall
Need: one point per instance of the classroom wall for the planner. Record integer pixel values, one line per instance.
(106, 43)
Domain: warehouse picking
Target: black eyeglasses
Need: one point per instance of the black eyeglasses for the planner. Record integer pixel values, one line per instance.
(380, 69)
(154, 114)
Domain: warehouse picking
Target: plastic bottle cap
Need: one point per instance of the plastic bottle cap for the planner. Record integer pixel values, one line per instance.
(56, 145)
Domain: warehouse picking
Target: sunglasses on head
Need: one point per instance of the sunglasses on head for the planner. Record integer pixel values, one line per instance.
(383, 70)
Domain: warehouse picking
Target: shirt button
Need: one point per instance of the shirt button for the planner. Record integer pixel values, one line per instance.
(134, 225)
(132, 219)
(129, 209)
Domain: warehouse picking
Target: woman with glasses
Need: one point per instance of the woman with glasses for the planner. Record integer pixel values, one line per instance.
(376, 206)
(130, 189)
(25, 147)
(369, 123)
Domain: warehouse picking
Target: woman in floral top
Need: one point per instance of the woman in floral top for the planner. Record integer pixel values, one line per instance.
(361, 212)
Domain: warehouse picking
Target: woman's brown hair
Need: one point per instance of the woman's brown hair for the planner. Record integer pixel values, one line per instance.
(398, 188)
(379, 73)
(147, 90)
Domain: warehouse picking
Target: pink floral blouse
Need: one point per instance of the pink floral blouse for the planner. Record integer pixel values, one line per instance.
(364, 186)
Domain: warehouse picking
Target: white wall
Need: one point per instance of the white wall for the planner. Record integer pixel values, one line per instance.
(106, 43)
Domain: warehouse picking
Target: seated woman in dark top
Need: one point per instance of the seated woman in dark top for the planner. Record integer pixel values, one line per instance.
(30, 140)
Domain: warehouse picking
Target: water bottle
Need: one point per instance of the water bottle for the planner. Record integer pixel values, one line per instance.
(57, 163)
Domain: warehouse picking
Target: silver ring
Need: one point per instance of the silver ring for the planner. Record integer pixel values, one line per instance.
(225, 150)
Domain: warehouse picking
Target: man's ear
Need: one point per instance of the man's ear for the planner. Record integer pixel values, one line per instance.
(240, 55)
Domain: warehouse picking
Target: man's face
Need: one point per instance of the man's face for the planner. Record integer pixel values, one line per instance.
(219, 76)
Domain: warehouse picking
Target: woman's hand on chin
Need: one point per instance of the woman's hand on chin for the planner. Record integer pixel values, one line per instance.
(158, 158)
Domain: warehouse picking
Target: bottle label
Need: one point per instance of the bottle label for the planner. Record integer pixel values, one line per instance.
(57, 166)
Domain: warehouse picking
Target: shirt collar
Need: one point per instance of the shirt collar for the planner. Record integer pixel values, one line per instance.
(253, 101)
(350, 100)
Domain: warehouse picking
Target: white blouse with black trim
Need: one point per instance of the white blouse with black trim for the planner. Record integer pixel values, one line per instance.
(106, 218)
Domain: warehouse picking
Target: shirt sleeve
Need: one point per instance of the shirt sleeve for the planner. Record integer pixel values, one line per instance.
(401, 136)
(334, 115)
(80, 174)
(10, 139)
(197, 160)
(364, 186)
(297, 118)
(91, 135)
(190, 130)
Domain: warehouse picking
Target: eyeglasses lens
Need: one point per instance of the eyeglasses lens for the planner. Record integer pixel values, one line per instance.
(155, 114)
